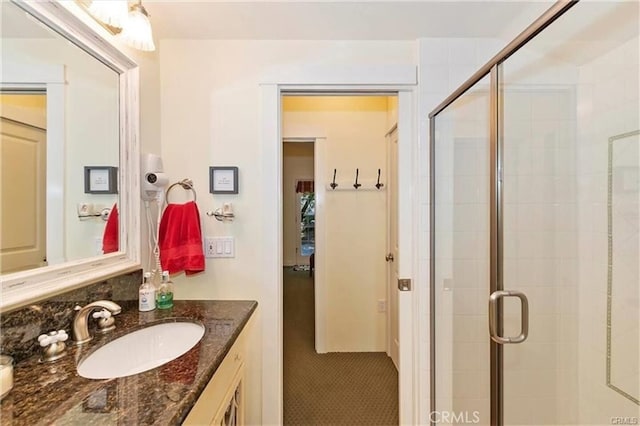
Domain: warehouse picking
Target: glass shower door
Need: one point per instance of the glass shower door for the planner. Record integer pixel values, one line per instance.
(541, 171)
(564, 95)
(461, 266)
(540, 252)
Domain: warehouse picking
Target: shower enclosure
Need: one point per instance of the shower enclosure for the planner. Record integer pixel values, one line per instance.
(535, 199)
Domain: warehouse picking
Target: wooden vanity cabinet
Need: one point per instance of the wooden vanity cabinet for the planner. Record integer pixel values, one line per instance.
(222, 400)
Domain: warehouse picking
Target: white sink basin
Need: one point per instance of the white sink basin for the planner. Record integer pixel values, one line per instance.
(141, 350)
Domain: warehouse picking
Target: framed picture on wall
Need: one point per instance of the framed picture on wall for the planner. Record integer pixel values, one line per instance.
(100, 180)
(223, 180)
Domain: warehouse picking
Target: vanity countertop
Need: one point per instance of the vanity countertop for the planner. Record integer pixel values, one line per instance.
(48, 393)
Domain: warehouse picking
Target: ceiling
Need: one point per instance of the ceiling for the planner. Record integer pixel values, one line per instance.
(340, 20)
(316, 20)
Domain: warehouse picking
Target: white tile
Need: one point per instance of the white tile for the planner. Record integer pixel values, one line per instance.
(462, 51)
(434, 51)
(435, 76)
(470, 328)
(469, 301)
(471, 356)
(531, 383)
(470, 384)
(543, 328)
(539, 356)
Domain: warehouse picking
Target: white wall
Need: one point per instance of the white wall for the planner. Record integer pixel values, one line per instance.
(297, 165)
(210, 116)
(149, 63)
(91, 130)
(353, 223)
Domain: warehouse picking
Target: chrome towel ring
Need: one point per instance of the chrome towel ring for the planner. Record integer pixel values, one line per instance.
(186, 184)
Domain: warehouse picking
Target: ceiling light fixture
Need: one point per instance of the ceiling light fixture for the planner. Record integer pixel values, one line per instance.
(111, 12)
(137, 30)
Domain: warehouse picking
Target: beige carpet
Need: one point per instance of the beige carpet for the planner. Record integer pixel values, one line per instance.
(336, 388)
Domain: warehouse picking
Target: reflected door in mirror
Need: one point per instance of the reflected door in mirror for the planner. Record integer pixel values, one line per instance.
(23, 191)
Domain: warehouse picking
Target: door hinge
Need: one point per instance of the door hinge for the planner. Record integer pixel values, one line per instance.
(404, 284)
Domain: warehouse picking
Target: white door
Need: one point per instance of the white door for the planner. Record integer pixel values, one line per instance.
(392, 245)
(22, 196)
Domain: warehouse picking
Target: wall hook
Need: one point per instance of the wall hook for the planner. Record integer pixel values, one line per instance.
(357, 185)
(378, 184)
(333, 184)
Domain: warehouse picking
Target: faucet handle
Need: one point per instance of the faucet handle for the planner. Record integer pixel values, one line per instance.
(106, 322)
(53, 337)
(53, 344)
(102, 314)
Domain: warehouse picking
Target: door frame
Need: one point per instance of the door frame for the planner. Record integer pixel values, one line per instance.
(49, 80)
(401, 79)
(389, 137)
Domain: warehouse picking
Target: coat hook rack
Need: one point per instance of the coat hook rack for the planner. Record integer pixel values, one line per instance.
(378, 184)
(333, 184)
(356, 185)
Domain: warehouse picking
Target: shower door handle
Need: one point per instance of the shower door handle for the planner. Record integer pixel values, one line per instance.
(494, 315)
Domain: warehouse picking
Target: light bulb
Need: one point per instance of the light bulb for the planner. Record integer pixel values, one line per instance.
(137, 29)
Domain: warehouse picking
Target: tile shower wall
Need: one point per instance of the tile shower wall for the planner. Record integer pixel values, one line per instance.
(462, 253)
(539, 222)
(540, 253)
(556, 251)
(608, 105)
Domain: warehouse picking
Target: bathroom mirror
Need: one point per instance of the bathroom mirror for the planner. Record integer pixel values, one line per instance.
(623, 280)
(69, 101)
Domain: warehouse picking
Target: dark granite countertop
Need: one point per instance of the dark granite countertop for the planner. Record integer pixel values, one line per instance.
(53, 393)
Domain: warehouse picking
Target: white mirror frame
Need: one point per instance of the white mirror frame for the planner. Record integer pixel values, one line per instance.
(20, 288)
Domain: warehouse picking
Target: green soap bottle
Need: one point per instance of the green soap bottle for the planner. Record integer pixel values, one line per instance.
(164, 293)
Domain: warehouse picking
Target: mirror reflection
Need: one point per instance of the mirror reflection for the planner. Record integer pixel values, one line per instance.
(59, 111)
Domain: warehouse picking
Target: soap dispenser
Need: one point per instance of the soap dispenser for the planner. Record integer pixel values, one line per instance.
(164, 295)
(147, 294)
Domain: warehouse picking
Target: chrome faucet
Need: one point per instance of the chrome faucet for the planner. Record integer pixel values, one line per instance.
(80, 328)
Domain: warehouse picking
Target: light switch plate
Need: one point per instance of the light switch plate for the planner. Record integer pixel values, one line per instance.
(217, 247)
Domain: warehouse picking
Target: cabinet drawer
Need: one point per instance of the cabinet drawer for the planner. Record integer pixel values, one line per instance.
(213, 397)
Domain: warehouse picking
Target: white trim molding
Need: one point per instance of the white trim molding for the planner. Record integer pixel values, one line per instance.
(30, 286)
(51, 80)
(323, 75)
(334, 79)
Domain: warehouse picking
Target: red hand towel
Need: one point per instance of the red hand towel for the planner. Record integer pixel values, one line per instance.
(180, 239)
(110, 239)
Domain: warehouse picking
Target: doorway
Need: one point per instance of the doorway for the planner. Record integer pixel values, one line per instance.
(306, 215)
(342, 220)
(24, 181)
(365, 79)
(298, 203)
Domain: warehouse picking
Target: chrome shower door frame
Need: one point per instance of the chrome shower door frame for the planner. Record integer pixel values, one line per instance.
(494, 69)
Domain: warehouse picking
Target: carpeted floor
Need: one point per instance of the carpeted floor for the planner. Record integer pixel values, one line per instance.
(330, 389)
